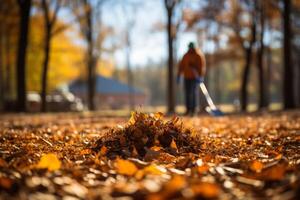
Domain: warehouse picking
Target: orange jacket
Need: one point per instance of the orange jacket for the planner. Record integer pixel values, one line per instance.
(192, 64)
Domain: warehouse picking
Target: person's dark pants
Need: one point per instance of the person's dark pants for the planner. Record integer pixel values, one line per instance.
(190, 86)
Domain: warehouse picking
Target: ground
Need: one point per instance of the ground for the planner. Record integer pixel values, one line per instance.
(89, 156)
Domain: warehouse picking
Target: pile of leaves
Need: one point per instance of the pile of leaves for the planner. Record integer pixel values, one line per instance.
(87, 156)
(145, 133)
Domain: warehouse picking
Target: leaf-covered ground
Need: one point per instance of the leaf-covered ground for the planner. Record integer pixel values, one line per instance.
(85, 156)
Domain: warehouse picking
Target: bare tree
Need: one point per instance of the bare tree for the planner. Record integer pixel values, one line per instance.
(130, 20)
(88, 14)
(50, 20)
(24, 7)
(1, 70)
(170, 5)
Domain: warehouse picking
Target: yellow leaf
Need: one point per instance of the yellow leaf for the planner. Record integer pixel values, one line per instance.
(158, 115)
(132, 118)
(125, 167)
(50, 162)
(154, 169)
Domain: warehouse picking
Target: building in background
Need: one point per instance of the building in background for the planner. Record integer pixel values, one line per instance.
(110, 93)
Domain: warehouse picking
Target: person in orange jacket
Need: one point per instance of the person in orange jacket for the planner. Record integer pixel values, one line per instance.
(192, 67)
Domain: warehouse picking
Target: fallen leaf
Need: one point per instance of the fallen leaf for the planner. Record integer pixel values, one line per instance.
(125, 167)
(158, 115)
(103, 150)
(5, 183)
(176, 183)
(3, 163)
(173, 145)
(275, 173)
(203, 168)
(85, 151)
(206, 190)
(256, 166)
(50, 162)
(154, 169)
(134, 152)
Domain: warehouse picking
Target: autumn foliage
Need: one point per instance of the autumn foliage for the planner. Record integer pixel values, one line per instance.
(86, 156)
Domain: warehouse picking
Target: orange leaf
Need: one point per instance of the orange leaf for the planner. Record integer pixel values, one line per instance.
(85, 151)
(256, 166)
(173, 145)
(155, 148)
(125, 167)
(206, 190)
(103, 150)
(203, 168)
(176, 183)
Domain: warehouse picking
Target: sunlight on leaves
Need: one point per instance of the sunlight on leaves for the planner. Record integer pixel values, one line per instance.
(50, 162)
(154, 169)
(125, 167)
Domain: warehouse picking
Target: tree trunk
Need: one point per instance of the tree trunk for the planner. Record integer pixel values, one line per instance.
(246, 72)
(91, 80)
(129, 72)
(45, 69)
(269, 74)
(170, 89)
(2, 85)
(24, 7)
(8, 66)
(288, 71)
(260, 61)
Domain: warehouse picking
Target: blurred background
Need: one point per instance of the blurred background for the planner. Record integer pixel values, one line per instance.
(76, 55)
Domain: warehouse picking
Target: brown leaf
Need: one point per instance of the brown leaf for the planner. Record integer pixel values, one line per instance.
(5, 183)
(3, 163)
(275, 173)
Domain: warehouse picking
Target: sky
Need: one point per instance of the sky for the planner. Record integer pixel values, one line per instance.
(147, 44)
